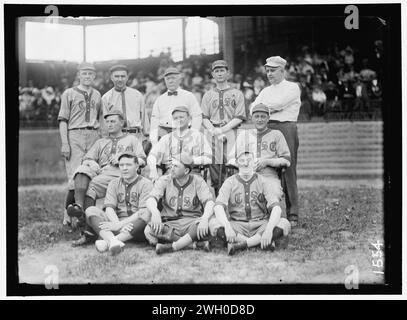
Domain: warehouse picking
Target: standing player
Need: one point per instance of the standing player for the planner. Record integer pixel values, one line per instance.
(128, 100)
(255, 215)
(161, 119)
(100, 165)
(181, 140)
(181, 222)
(268, 145)
(78, 123)
(223, 111)
(282, 98)
(125, 215)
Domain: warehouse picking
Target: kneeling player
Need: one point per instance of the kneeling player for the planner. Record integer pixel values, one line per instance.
(181, 221)
(255, 215)
(125, 215)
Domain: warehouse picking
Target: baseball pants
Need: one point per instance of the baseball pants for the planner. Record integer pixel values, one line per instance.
(253, 227)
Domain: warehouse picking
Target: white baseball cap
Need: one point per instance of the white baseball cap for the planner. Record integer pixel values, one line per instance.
(275, 61)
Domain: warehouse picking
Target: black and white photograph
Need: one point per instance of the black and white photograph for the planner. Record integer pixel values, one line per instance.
(192, 145)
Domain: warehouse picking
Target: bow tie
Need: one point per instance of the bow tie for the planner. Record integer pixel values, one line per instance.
(172, 93)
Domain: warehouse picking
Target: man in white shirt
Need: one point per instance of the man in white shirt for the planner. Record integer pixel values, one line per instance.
(128, 100)
(282, 98)
(161, 116)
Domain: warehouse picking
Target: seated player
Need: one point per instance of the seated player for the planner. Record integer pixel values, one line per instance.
(253, 208)
(100, 165)
(187, 213)
(182, 139)
(269, 146)
(125, 215)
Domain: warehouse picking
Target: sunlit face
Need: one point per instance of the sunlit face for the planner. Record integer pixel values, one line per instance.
(245, 161)
(178, 170)
(172, 81)
(274, 75)
(260, 120)
(86, 77)
(220, 74)
(114, 124)
(181, 119)
(119, 79)
(128, 167)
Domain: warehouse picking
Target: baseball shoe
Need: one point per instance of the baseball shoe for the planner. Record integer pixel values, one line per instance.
(115, 247)
(75, 210)
(101, 246)
(161, 248)
(219, 240)
(204, 245)
(281, 243)
(86, 238)
(234, 247)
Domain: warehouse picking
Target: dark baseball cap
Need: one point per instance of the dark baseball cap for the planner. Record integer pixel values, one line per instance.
(119, 67)
(219, 64)
(86, 66)
(171, 70)
(114, 112)
(260, 108)
(181, 109)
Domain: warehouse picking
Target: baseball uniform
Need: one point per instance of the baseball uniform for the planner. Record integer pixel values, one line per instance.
(220, 107)
(126, 199)
(81, 111)
(172, 144)
(182, 205)
(269, 144)
(103, 152)
(247, 203)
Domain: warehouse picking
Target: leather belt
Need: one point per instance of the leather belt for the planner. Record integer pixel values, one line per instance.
(85, 128)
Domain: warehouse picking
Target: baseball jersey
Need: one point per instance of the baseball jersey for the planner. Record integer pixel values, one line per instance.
(283, 100)
(192, 142)
(178, 201)
(246, 200)
(106, 149)
(80, 109)
(130, 101)
(268, 144)
(161, 114)
(221, 106)
(127, 198)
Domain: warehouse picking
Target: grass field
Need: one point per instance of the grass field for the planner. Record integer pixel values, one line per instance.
(339, 220)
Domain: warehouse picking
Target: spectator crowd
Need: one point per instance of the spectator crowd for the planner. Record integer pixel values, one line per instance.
(340, 80)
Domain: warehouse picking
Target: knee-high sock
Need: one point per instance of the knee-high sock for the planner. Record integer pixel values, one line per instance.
(277, 233)
(81, 186)
(137, 233)
(89, 202)
(70, 198)
(253, 241)
(107, 235)
(182, 242)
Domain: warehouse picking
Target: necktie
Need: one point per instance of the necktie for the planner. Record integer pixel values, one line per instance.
(124, 108)
(172, 93)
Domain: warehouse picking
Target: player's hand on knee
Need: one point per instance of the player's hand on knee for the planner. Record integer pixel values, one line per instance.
(230, 234)
(203, 227)
(66, 151)
(156, 223)
(266, 238)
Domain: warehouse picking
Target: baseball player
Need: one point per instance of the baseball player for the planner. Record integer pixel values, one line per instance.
(161, 119)
(269, 147)
(283, 99)
(180, 140)
(100, 166)
(128, 100)
(254, 211)
(78, 123)
(181, 222)
(125, 215)
(223, 111)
